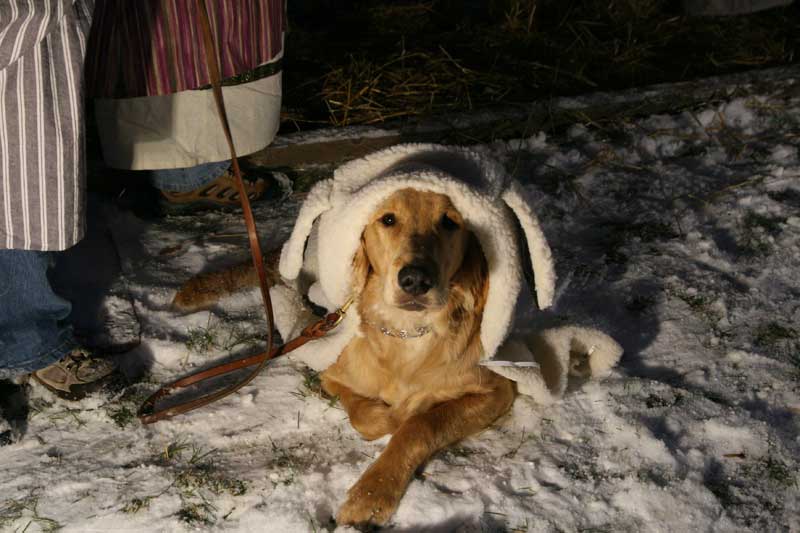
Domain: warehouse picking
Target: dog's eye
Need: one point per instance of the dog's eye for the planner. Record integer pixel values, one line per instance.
(388, 219)
(448, 223)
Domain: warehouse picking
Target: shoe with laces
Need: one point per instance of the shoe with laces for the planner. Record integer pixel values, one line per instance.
(222, 193)
(76, 374)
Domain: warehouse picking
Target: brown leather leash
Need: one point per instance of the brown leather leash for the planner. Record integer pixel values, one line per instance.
(147, 412)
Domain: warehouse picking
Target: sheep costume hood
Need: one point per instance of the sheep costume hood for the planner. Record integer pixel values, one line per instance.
(317, 261)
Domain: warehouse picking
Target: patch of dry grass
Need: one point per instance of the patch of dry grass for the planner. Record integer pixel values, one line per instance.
(419, 83)
(382, 60)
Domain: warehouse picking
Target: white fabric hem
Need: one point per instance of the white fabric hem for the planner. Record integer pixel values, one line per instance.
(183, 130)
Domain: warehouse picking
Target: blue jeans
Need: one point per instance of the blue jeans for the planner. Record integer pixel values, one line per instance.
(188, 179)
(33, 331)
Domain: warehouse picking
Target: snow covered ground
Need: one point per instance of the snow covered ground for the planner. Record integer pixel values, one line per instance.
(678, 235)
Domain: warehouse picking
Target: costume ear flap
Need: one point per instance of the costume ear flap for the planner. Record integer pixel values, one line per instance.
(541, 258)
(317, 202)
(473, 275)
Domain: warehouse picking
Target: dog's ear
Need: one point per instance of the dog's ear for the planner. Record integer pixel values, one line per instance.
(472, 279)
(361, 268)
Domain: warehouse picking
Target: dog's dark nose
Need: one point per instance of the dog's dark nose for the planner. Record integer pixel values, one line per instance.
(415, 279)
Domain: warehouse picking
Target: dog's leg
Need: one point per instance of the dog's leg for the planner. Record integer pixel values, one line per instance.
(372, 418)
(374, 498)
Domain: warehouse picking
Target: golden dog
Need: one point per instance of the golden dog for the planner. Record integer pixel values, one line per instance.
(420, 283)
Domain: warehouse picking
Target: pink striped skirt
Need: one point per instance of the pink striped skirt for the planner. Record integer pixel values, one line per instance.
(155, 47)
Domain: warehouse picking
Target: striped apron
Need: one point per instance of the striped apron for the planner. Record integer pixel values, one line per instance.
(42, 46)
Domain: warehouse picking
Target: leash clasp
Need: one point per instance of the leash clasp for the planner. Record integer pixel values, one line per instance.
(335, 318)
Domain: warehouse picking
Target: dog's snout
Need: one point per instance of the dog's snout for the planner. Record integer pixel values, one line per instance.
(415, 279)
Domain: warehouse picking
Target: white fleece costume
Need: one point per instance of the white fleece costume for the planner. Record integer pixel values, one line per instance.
(317, 261)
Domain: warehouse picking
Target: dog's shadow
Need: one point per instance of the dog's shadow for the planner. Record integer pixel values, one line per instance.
(625, 310)
(14, 410)
(485, 523)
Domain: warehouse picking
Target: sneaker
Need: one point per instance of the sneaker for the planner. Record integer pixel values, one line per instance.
(76, 374)
(222, 193)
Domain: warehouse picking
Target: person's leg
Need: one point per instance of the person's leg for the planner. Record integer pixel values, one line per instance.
(33, 331)
(188, 179)
(35, 337)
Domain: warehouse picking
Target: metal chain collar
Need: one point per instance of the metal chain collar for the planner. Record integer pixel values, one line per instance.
(415, 333)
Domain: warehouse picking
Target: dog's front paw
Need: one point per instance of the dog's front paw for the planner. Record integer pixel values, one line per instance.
(373, 499)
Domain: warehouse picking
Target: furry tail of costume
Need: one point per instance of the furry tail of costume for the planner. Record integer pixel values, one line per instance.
(560, 355)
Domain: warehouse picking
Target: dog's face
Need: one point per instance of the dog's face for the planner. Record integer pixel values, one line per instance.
(415, 243)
